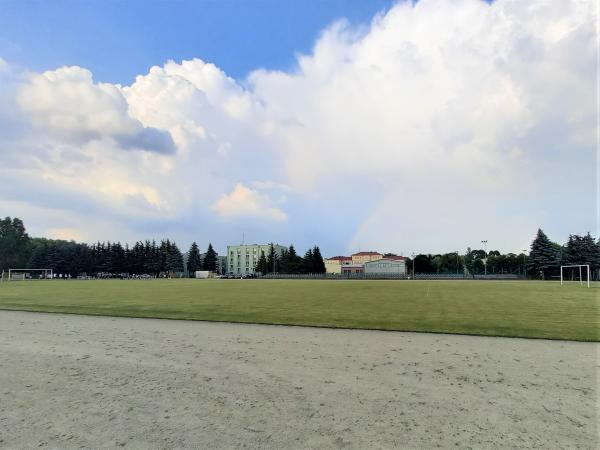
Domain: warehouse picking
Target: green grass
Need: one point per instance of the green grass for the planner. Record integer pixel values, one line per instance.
(493, 308)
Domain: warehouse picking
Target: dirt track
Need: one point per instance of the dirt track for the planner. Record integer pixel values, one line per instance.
(71, 381)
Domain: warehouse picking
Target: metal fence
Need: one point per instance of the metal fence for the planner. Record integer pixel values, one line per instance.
(376, 276)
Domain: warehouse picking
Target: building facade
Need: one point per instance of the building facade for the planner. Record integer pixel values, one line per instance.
(242, 259)
(353, 269)
(364, 257)
(393, 265)
(334, 264)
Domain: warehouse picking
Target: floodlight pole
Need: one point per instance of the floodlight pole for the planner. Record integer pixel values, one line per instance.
(456, 262)
(524, 268)
(414, 264)
(484, 242)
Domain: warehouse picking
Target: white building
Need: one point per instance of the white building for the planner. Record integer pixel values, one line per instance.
(242, 259)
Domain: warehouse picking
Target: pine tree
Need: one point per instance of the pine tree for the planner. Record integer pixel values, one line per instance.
(295, 261)
(272, 260)
(543, 256)
(261, 265)
(174, 259)
(14, 244)
(318, 265)
(118, 258)
(582, 250)
(307, 262)
(193, 260)
(210, 259)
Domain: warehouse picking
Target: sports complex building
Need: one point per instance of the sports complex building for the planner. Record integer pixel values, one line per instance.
(367, 263)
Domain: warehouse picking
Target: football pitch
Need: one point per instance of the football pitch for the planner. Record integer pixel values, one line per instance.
(490, 308)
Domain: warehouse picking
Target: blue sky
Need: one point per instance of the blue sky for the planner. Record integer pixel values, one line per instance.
(118, 40)
(356, 125)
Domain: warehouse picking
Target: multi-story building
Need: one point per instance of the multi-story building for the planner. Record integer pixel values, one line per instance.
(363, 257)
(334, 264)
(242, 259)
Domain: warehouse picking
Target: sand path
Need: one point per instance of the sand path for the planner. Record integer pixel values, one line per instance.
(69, 381)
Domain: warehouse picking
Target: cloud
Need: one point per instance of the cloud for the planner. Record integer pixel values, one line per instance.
(244, 202)
(68, 103)
(66, 234)
(427, 107)
(439, 124)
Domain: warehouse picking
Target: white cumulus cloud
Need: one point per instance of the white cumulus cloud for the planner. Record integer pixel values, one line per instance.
(244, 202)
(439, 124)
(68, 102)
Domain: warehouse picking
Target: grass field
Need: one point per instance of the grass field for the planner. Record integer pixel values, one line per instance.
(492, 308)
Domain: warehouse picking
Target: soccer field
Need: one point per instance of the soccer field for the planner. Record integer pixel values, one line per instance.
(492, 308)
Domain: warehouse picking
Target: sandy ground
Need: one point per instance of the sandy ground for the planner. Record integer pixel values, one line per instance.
(70, 381)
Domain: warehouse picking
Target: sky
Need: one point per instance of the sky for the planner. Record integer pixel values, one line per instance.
(401, 127)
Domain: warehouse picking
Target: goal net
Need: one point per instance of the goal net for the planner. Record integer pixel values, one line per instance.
(28, 274)
(578, 273)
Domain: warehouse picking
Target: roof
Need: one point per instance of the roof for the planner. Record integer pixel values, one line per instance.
(395, 257)
(340, 258)
(391, 259)
(366, 254)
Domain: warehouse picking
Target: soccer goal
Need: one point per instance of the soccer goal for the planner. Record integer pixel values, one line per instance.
(575, 273)
(29, 274)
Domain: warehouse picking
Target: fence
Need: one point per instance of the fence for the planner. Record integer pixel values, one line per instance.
(377, 276)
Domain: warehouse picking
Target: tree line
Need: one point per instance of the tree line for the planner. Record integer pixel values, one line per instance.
(546, 257)
(106, 258)
(543, 261)
(472, 262)
(289, 262)
(19, 250)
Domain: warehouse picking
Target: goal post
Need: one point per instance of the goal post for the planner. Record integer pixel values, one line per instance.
(25, 274)
(582, 268)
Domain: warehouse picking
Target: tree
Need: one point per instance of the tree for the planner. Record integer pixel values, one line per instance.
(193, 260)
(118, 258)
(272, 260)
(210, 259)
(284, 261)
(582, 250)
(14, 244)
(307, 262)
(174, 259)
(543, 255)
(318, 265)
(261, 265)
(424, 264)
(294, 261)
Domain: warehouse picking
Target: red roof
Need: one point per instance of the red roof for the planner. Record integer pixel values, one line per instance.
(366, 254)
(340, 258)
